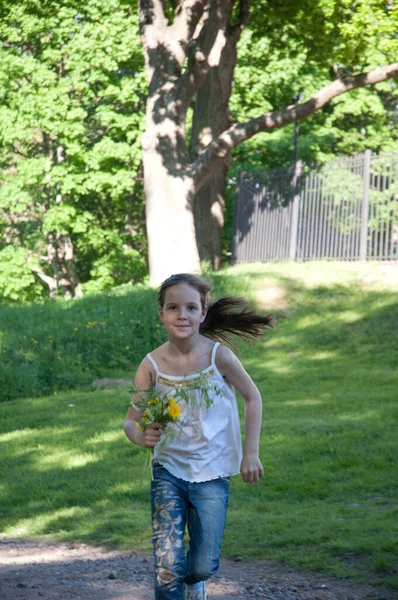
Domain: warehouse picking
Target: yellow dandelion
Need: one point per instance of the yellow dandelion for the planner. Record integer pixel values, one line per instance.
(121, 312)
(127, 347)
(76, 329)
(157, 325)
(139, 426)
(174, 410)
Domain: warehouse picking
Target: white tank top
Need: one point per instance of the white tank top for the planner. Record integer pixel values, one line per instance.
(209, 444)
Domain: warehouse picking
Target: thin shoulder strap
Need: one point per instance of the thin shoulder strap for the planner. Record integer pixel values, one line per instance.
(155, 366)
(213, 354)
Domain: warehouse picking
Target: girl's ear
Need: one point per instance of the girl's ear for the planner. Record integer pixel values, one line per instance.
(160, 311)
(204, 313)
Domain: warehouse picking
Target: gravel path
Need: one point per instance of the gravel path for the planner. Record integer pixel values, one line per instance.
(30, 570)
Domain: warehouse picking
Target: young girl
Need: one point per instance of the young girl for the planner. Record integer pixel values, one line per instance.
(191, 469)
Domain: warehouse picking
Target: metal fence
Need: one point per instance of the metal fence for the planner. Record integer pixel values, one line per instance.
(346, 209)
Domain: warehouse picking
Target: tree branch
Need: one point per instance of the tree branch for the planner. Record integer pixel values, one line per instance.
(186, 20)
(152, 15)
(244, 13)
(204, 51)
(153, 28)
(219, 148)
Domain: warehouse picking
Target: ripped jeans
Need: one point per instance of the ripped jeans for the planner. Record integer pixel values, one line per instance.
(175, 504)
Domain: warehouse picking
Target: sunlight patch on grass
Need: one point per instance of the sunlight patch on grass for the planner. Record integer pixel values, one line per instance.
(106, 437)
(67, 459)
(282, 370)
(308, 402)
(370, 414)
(17, 435)
(309, 321)
(350, 316)
(131, 485)
(325, 355)
(27, 432)
(39, 524)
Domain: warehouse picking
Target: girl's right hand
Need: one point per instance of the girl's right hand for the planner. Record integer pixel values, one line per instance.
(152, 434)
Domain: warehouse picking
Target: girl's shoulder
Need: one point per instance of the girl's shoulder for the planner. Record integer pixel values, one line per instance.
(225, 358)
(158, 352)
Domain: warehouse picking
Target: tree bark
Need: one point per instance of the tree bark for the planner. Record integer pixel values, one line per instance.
(170, 224)
(212, 117)
(66, 254)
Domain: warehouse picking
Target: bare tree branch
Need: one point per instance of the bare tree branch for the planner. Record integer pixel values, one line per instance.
(219, 148)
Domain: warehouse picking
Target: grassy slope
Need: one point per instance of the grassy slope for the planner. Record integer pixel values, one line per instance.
(328, 375)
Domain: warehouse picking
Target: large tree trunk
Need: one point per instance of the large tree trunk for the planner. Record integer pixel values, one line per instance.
(170, 224)
(209, 217)
(175, 70)
(211, 118)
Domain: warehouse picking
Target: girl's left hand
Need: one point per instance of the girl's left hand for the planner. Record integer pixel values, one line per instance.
(251, 468)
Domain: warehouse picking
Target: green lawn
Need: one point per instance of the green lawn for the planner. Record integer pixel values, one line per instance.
(329, 379)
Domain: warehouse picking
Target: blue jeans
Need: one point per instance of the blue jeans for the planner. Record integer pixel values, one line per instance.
(175, 504)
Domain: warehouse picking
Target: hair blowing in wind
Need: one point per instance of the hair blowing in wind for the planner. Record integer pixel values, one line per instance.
(226, 316)
(232, 316)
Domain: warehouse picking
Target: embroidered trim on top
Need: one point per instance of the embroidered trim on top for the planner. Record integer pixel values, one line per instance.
(185, 382)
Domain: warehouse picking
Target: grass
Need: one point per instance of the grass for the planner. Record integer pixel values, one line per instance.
(328, 376)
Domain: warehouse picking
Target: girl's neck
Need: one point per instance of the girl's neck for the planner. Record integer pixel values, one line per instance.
(183, 347)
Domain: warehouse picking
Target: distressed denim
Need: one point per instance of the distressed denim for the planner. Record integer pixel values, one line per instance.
(175, 504)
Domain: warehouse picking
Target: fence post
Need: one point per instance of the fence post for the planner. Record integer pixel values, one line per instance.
(295, 209)
(365, 206)
(235, 240)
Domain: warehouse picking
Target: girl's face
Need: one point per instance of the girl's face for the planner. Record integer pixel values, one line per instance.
(182, 312)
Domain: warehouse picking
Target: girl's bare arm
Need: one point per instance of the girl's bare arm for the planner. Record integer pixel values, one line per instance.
(151, 435)
(231, 368)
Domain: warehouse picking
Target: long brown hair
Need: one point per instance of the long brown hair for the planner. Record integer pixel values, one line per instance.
(225, 316)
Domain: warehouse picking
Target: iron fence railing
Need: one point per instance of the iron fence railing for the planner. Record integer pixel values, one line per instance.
(345, 209)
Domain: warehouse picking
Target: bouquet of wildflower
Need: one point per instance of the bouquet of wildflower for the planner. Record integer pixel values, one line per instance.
(155, 408)
(164, 408)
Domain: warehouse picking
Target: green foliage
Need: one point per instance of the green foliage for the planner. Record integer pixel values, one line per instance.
(118, 266)
(61, 345)
(17, 282)
(71, 116)
(300, 47)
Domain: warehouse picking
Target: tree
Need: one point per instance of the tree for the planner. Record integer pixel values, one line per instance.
(190, 55)
(72, 99)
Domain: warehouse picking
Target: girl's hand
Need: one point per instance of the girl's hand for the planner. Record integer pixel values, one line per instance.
(152, 433)
(251, 468)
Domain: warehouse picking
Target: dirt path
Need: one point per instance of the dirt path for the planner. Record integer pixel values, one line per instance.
(30, 570)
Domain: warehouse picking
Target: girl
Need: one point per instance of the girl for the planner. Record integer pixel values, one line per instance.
(191, 469)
